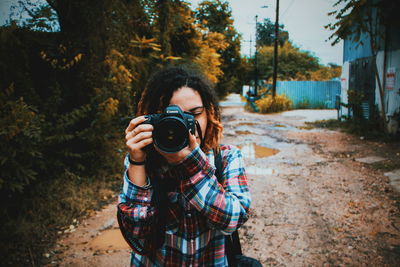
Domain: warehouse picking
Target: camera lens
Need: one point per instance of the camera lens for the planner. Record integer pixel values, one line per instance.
(171, 135)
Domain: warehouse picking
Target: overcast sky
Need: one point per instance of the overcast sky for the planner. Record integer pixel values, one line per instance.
(4, 10)
(303, 19)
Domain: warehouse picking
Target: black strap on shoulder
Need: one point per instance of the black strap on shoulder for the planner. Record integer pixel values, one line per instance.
(218, 166)
(232, 242)
(198, 129)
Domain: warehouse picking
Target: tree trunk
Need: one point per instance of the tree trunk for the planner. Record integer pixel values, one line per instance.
(164, 23)
(382, 98)
(373, 40)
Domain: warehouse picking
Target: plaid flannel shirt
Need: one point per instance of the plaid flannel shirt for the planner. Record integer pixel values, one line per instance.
(200, 211)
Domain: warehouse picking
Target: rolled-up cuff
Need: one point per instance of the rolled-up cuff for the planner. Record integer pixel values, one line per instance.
(136, 193)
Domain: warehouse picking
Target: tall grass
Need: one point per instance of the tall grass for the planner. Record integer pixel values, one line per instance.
(270, 105)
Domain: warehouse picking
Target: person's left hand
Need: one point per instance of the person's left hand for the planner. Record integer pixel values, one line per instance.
(177, 157)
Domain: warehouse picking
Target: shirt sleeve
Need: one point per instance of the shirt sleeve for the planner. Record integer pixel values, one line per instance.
(136, 212)
(225, 206)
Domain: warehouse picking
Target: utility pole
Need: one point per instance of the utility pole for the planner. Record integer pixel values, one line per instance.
(275, 74)
(251, 43)
(255, 65)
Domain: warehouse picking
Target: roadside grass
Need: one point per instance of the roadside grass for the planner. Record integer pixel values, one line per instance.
(28, 233)
(369, 130)
(305, 104)
(268, 104)
(248, 107)
(386, 165)
(327, 124)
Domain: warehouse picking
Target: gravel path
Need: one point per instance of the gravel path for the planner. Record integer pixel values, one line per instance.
(313, 203)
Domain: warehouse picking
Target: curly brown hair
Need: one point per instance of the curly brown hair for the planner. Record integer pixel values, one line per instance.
(160, 88)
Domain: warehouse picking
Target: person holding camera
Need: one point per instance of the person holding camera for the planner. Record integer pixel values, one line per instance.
(173, 210)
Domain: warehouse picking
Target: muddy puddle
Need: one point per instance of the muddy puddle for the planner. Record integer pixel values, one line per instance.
(248, 124)
(243, 132)
(254, 151)
(283, 127)
(109, 240)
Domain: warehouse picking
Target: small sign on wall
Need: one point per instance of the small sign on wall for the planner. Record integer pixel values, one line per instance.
(390, 78)
(343, 82)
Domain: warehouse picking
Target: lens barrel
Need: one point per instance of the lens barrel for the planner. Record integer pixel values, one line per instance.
(170, 134)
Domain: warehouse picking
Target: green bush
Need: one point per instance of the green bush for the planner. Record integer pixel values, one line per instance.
(47, 209)
(269, 104)
(320, 105)
(60, 141)
(355, 99)
(20, 140)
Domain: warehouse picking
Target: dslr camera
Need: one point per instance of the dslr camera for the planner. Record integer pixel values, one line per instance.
(171, 128)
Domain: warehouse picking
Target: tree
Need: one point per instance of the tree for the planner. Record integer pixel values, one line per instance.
(65, 92)
(294, 64)
(175, 29)
(216, 16)
(266, 34)
(326, 73)
(371, 17)
(75, 79)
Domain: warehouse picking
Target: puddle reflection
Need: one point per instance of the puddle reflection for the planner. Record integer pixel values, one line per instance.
(109, 239)
(253, 151)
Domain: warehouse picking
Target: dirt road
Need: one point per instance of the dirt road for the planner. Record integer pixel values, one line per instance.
(314, 203)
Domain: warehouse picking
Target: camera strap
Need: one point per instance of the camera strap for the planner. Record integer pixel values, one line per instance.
(232, 242)
(198, 129)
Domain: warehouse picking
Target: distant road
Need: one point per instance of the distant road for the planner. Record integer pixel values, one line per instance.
(232, 100)
(300, 115)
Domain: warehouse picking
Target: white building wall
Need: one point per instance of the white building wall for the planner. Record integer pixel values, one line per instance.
(392, 88)
(245, 89)
(393, 96)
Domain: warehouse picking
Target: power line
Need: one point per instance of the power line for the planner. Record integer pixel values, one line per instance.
(288, 7)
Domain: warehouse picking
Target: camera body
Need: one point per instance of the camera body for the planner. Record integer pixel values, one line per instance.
(171, 128)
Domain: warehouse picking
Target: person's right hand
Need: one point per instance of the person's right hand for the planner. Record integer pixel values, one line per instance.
(137, 137)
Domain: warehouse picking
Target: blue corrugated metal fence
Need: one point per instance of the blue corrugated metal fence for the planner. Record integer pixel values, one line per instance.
(310, 94)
